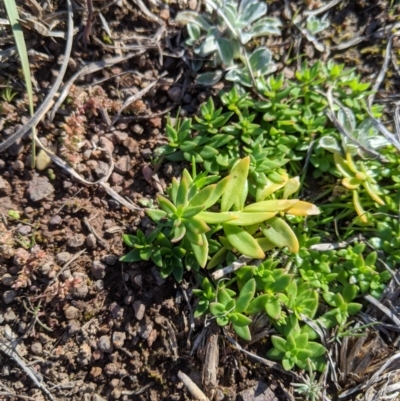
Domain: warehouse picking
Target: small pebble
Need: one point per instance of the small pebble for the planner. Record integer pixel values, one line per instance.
(96, 397)
(101, 169)
(144, 331)
(187, 98)
(39, 188)
(104, 344)
(116, 179)
(174, 93)
(9, 296)
(106, 144)
(73, 327)
(118, 339)
(192, 4)
(18, 165)
(98, 269)
(7, 279)
(24, 230)
(131, 145)
(63, 257)
(123, 165)
(99, 285)
(111, 260)
(76, 240)
(137, 129)
(5, 370)
(9, 315)
(120, 136)
(146, 153)
(55, 220)
(164, 14)
(111, 369)
(5, 187)
(139, 309)
(36, 348)
(91, 241)
(71, 312)
(116, 393)
(81, 290)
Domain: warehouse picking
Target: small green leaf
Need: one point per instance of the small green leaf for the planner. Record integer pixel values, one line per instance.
(216, 308)
(271, 205)
(130, 240)
(250, 218)
(273, 308)
(217, 218)
(219, 190)
(183, 190)
(191, 211)
(235, 193)
(196, 225)
(201, 252)
(130, 257)
(278, 232)
(243, 241)
(166, 205)
(243, 332)
(239, 319)
(279, 343)
(246, 295)
(202, 196)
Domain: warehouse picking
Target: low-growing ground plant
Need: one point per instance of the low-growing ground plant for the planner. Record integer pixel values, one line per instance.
(257, 195)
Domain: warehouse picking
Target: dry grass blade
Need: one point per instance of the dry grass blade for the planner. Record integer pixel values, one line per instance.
(88, 69)
(192, 387)
(342, 130)
(383, 71)
(7, 346)
(47, 103)
(390, 314)
(13, 16)
(138, 95)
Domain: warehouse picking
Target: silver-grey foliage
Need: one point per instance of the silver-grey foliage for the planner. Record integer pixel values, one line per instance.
(220, 36)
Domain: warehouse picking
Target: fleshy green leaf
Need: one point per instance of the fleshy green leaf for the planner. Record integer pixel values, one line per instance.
(243, 241)
(271, 205)
(243, 332)
(246, 295)
(132, 256)
(279, 233)
(235, 193)
(250, 218)
(201, 252)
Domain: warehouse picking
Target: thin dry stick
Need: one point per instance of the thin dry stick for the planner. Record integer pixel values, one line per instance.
(349, 43)
(382, 73)
(342, 129)
(322, 9)
(147, 12)
(242, 261)
(138, 95)
(89, 22)
(7, 347)
(390, 314)
(85, 70)
(93, 231)
(192, 387)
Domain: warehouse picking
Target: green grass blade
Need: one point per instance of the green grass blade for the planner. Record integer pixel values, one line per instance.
(13, 16)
